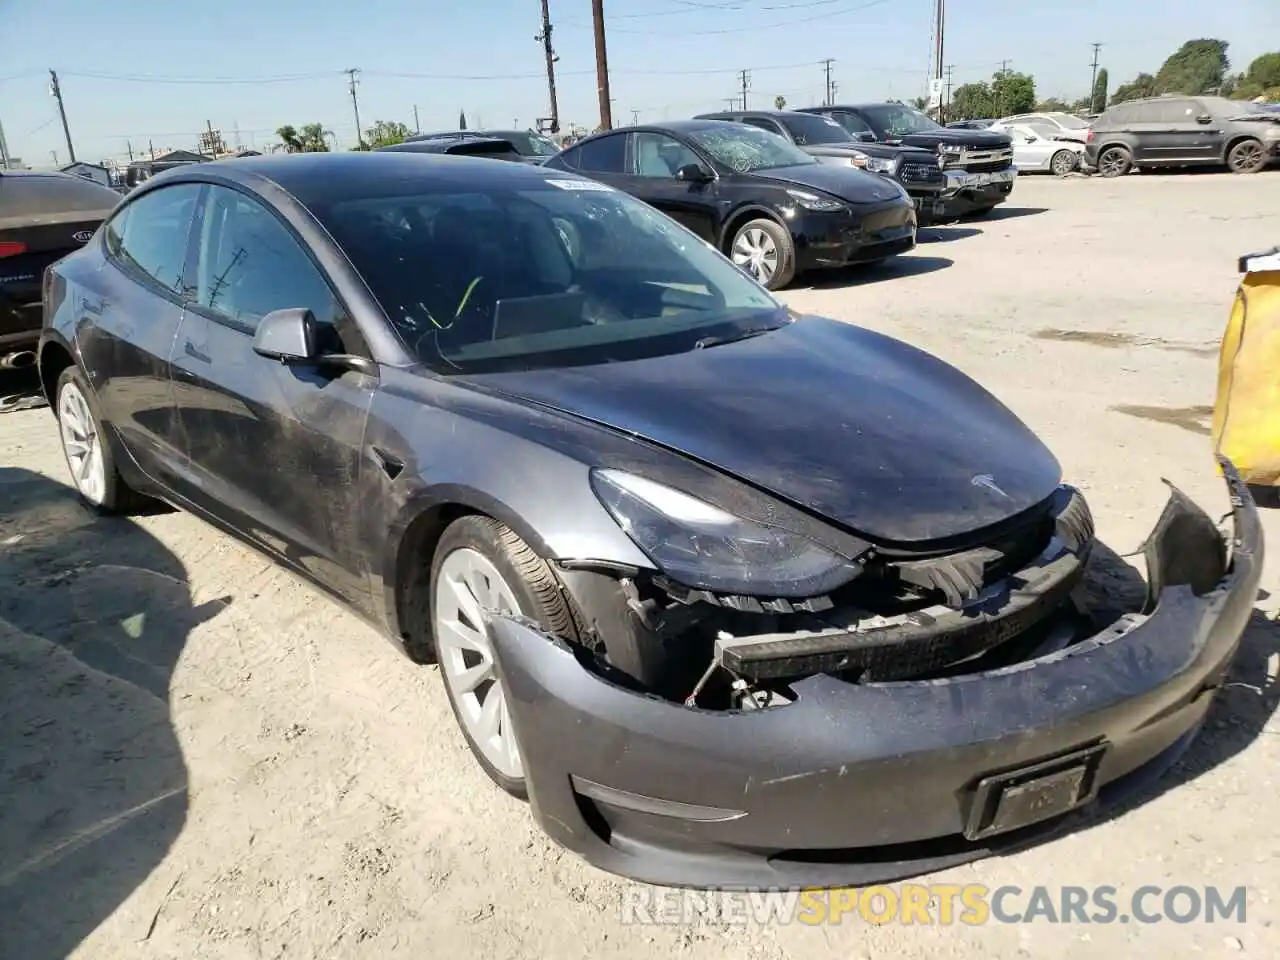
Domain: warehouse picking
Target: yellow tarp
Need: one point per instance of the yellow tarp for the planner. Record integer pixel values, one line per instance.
(1246, 414)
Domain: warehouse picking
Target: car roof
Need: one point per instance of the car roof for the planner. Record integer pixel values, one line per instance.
(753, 113)
(321, 178)
(27, 193)
(854, 106)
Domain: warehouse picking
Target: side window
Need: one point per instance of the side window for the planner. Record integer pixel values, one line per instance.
(660, 156)
(1172, 110)
(606, 155)
(764, 124)
(150, 234)
(851, 122)
(249, 264)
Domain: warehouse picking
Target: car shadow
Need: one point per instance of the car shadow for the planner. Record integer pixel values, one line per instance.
(20, 390)
(907, 265)
(93, 617)
(945, 233)
(1007, 213)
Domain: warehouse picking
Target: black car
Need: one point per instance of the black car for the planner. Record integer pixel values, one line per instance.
(1177, 131)
(771, 207)
(735, 595)
(978, 164)
(532, 146)
(491, 148)
(918, 170)
(43, 217)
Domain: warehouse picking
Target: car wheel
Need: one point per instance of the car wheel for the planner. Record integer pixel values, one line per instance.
(1247, 156)
(86, 449)
(481, 564)
(1063, 162)
(764, 249)
(1115, 162)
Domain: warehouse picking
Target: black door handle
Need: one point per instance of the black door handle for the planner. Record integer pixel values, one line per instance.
(191, 350)
(92, 306)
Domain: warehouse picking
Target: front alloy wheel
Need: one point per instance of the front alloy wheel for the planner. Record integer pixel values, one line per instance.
(756, 251)
(1247, 156)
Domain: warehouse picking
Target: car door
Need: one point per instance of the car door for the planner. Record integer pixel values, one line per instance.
(130, 313)
(1168, 132)
(602, 158)
(275, 450)
(1032, 146)
(655, 158)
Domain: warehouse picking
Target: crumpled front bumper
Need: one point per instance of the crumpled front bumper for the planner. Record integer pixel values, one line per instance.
(855, 784)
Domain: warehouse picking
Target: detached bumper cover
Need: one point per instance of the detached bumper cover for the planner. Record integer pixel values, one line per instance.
(855, 784)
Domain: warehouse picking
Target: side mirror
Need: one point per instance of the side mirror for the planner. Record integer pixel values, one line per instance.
(287, 335)
(1204, 118)
(866, 136)
(692, 173)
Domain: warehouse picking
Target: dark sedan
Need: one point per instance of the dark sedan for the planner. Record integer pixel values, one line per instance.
(734, 595)
(917, 169)
(771, 207)
(531, 146)
(43, 216)
(492, 148)
(978, 164)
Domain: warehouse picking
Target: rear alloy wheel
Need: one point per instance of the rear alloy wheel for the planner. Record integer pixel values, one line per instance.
(1115, 162)
(1247, 156)
(88, 454)
(764, 249)
(1063, 162)
(481, 567)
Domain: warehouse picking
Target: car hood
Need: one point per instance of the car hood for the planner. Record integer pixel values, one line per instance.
(886, 150)
(871, 433)
(972, 139)
(851, 185)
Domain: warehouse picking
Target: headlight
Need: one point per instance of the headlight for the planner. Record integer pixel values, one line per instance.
(702, 546)
(811, 201)
(873, 164)
(950, 148)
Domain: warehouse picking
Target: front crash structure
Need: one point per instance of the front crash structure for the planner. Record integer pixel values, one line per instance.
(829, 758)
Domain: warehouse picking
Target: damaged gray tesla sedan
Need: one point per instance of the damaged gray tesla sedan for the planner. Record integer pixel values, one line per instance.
(734, 596)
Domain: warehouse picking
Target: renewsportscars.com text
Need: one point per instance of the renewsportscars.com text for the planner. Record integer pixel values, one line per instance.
(939, 904)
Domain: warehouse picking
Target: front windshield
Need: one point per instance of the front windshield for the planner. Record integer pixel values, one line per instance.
(541, 273)
(893, 121)
(745, 149)
(810, 130)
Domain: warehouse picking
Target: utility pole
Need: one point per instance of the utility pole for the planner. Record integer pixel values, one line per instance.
(1004, 68)
(129, 146)
(353, 74)
(417, 128)
(602, 66)
(1004, 72)
(1093, 81)
(56, 92)
(731, 102)
(745, 78)
(635, 118)
(4, 150)
(830, 94)
(152, 146)
(545, 37)
(946, 97)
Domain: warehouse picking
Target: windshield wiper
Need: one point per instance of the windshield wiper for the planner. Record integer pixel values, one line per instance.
(731, 337)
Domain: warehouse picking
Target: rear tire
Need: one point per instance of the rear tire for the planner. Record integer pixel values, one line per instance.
(480, 562)
(764, 249)
(1114, 162)
(87, 449)
(1247, 156)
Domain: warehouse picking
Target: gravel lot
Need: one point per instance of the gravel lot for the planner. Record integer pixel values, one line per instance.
(200, 757)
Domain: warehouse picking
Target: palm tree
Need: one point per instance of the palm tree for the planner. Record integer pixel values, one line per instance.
(289, 137)
(313, 138)
(779, 102)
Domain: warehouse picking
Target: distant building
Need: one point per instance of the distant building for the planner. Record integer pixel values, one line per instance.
(90, 171)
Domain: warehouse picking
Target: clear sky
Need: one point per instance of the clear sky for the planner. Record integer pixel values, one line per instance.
(158, 70)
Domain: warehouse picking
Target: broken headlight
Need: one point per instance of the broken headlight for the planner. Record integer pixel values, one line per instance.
(701, 546)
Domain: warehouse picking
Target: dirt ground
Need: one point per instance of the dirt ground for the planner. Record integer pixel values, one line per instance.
(202, 758)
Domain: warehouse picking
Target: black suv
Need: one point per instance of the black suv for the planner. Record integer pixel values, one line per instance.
(1175, 131)
(977, 164)
(917, 170)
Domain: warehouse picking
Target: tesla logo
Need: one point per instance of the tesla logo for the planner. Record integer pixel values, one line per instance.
(988, 482)
(84, 236)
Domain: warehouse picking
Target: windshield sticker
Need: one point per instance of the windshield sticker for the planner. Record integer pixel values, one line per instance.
(565, 184)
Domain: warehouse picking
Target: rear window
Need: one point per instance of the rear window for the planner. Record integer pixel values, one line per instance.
(27, 195)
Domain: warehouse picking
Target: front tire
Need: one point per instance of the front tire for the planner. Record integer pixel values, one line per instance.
(87, 450)
(1063, 162)
(482, 564)
(765, 250)
(1247, 156)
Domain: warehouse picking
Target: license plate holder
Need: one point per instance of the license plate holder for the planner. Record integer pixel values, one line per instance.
(1009, 801)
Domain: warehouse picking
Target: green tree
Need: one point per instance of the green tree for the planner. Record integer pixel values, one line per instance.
(1013, 93)
(779, 102)
(1261, 79)
(971, 101)
(920, 103)
(1197, 67)
(1099, 99)
(289, 137)
(1053, 105)
(313, 137)
(1143, 85)
(386, 133)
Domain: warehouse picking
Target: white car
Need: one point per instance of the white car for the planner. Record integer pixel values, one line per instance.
(1065, 124)
(1040, 148)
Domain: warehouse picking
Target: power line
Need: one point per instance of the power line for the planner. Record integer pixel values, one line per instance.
(759, 26)
(699, 8)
